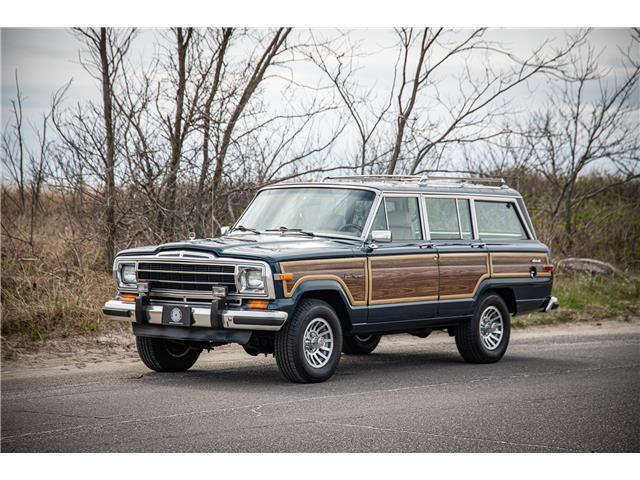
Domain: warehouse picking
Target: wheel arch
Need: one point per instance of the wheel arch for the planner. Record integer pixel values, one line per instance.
(504, 291)
(331, 292)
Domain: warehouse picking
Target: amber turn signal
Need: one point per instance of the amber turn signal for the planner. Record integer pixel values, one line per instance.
(283, 276)
(128, 297)
(258, 304)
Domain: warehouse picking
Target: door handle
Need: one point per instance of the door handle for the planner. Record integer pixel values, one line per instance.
(478, 245)
(426, 245)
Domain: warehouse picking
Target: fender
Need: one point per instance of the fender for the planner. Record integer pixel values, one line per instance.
(528, 293)
(319, 288)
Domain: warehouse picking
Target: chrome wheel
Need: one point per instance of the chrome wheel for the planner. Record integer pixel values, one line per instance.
(491, 328)
(318, 342)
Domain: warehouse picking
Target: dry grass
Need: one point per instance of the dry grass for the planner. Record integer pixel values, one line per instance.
(55, 286)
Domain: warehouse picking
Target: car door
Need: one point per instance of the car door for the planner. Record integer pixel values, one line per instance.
(463, 260)
(403, 274)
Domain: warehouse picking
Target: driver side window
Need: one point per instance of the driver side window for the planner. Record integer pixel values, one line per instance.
(401, 215)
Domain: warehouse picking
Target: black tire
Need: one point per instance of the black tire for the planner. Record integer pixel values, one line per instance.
(166, 356)
(290, 343)
(360, 344)
(469, 339)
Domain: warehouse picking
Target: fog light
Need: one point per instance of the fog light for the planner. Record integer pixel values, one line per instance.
(219, 292)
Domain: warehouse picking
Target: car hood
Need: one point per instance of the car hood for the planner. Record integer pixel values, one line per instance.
(269, 247)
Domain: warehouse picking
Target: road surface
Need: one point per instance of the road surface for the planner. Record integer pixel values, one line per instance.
(559, 389)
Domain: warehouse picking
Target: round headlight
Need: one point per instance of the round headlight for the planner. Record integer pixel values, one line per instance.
(251, 280)
(128, 273)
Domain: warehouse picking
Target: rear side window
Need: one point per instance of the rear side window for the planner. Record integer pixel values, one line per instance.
(498, 221)
(449, 218)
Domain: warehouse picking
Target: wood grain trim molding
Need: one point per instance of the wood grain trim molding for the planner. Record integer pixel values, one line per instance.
(328, 269)
(429, 261)
(479, 280)
(516, 265)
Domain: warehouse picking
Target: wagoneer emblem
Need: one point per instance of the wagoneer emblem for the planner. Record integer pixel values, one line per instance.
(176, 315)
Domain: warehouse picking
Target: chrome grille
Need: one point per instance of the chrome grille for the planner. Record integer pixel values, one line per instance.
(187, 276)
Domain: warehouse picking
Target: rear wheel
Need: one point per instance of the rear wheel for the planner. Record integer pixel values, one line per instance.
(308, 346)
(166, 356)
(360, 344)
(484, 339)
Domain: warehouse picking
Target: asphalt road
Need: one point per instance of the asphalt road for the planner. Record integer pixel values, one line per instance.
(557, 390)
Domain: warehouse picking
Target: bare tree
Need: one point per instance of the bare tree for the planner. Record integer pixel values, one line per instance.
(581, 130)
(106, 52)
(336, 59)
(467, 117)
(273, 48)
(13, 149)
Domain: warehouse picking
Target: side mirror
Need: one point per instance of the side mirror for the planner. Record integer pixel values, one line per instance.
(224, 230)
(381, 236)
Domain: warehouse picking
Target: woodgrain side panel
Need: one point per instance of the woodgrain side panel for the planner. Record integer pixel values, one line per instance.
(518, 264)
(461, 273)
(403, 278)
(350, 273)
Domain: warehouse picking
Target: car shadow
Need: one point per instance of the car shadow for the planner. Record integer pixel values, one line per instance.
(383, 367)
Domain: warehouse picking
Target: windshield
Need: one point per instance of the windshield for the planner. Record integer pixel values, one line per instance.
(324, 211)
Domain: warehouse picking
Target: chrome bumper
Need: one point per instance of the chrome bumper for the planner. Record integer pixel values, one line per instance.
(269, 320)
(552, 304)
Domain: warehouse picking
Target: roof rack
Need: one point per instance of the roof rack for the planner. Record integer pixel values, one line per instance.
(470, 177)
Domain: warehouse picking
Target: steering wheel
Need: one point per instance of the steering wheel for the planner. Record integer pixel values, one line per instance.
(347, 226)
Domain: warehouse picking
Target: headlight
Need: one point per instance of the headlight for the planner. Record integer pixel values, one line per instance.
(128, 273)
(251, 280)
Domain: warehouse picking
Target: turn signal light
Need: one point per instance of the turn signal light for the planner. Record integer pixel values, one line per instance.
(548, 268)
(283, 276)
(258, 304)
(128, 297)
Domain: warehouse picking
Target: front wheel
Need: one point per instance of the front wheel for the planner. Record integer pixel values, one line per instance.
(166, 356)
(307, 348)
(484, 339)
(360, 344)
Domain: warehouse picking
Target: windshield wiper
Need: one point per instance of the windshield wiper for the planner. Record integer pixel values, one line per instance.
(242, 228)
(284, 230)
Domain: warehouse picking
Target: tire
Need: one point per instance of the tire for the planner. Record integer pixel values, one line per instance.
(166, 356)
(360, 344)
(476, 347)
(312, 319)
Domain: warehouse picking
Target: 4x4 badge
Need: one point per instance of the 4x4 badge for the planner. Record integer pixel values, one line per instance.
(536, 260)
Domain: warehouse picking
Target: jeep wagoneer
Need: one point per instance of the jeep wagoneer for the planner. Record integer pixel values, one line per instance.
(310, 271)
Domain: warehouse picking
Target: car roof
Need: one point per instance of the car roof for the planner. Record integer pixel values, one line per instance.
(434, 187)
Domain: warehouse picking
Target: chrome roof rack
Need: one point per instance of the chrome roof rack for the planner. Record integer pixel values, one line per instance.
(441, 177)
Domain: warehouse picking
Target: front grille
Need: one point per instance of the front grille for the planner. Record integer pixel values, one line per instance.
(187, 276)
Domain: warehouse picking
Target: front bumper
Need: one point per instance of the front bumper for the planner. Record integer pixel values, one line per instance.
(266, 320)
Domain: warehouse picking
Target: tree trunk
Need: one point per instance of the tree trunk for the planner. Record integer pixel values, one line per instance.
(177, 134)
(110, 156)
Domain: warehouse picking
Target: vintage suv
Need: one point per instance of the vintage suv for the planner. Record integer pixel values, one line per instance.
(312, 270)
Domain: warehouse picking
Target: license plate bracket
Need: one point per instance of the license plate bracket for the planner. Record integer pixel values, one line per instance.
(177, 316)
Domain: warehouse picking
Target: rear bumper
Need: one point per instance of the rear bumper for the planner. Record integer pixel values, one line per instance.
(551, 304)
(266, 320)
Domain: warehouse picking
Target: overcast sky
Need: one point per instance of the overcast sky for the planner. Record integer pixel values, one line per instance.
(46, 59)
